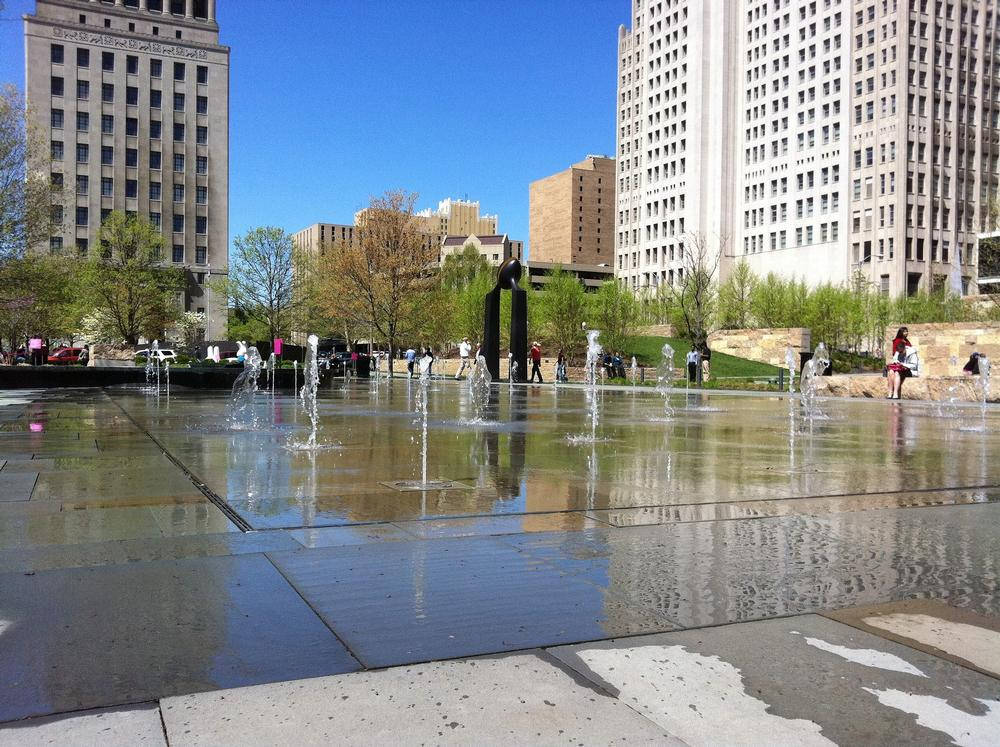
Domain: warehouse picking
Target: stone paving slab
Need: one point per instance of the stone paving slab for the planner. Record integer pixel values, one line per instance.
(952, 633)
(503, 700)
(44, 524)
(569, 521)
(402, 602)
(802, 680)
(165, 480)
(95, 637)
(17, 486)
(118, 552)
(360, 534)
(108, 727)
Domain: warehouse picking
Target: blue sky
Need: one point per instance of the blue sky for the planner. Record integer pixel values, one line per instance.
(335, 100)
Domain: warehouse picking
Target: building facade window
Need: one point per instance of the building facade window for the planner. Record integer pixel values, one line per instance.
(56, 54)
(178, 222)
(200, 255)
(154, 160)
(202, 73)
(56, 86)
(154, 129)
(107, 186)
(82, 153)
(155, 68)
(178, 255)
(201, 135)
(178, 193)
(200, 224)
(82, 216)
(108, 62)
(108, 93)
(132, 64)
(82, 57)
(57, 119)
(178, 71)
(107, 124)
(57, 150)
(107, 155)
(131, 126)
(131, 188)
(178, 162)
(154, 190)
(131, 157)
(178, 132)
(201, 195)
(155, 98)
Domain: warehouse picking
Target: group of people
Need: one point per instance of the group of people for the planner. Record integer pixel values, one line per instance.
(699, 357)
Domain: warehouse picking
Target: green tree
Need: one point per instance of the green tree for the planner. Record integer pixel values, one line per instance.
(467, 310)
(735, 306)
(562, 311)
(261, 283)
(461, 268)
(384, 278)
(26, 195)
(614, 310)
(47, 302)
(126, 282)
(693, 291)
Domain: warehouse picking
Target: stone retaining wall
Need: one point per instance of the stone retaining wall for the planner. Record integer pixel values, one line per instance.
(874, 386)
(658, 330)
(944, 348)
(762, 345)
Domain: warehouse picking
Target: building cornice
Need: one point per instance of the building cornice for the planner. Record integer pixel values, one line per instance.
(121, 11)
(115, 39)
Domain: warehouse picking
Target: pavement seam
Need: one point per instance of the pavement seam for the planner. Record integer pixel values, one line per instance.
(910, 643)
(287, 580)
(228, 511)
(163, 723)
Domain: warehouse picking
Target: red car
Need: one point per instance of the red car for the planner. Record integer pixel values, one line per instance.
(65, 356)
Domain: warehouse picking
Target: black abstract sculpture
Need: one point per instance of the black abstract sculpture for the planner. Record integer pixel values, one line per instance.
(507, 277)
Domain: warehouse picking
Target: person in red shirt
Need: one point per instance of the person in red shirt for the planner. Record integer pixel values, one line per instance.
(896, 370)
(536, 362)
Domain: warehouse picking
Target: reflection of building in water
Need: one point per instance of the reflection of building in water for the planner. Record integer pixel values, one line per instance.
(706, 573)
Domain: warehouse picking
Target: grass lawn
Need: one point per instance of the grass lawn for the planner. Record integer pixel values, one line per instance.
(647, 352)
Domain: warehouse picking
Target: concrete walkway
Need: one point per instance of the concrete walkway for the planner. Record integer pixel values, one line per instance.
(805, 679)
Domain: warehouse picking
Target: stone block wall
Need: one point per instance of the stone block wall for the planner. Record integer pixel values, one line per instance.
(944, 348)
(762, 345)
(658, 330)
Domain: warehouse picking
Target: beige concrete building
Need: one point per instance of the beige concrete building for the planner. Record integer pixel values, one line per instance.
(319, 238)
(458, 218)
(572, 214)
(866, 137)
(496, 248)
(676, 113)
(592, 277)
(135, 97)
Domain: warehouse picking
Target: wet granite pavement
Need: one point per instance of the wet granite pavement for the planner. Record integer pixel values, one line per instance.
(125, 579)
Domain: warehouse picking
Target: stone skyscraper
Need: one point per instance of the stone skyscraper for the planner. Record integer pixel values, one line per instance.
(135, 97)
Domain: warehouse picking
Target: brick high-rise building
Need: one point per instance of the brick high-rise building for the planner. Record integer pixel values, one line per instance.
(135, 97)
(572, 214)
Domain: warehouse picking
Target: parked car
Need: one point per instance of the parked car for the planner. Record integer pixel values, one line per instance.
(64, 356)
(164, 354)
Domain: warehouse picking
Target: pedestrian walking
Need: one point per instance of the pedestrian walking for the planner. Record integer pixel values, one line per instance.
(897, 370)
(411, 356)
(693, 359)
(561, 366)
(429, 355)
(536, 362)
(706, 362)
(464, 348)
(35, 351)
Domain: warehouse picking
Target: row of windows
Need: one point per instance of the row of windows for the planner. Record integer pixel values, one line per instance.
(58, 57)
(58, 88)
(57, 151)
(83, 219)
(131, 189)
(804, 236)
(131, 126)
(82, 246)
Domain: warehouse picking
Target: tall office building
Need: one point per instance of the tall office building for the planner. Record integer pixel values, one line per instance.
(135, 96)
(866, 138)
(571, 217)
(676, 111)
